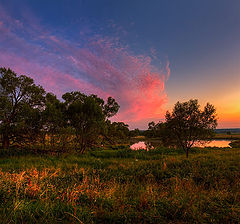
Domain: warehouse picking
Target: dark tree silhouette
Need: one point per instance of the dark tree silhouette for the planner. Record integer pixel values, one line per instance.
(87, 115)
(21, 102)
(187, 124)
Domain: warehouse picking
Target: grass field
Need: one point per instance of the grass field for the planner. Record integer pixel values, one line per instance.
(121, 186)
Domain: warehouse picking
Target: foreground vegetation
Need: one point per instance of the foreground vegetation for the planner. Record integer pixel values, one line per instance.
(121, 186)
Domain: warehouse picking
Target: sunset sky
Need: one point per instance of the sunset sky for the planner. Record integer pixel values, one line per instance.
(146, 54)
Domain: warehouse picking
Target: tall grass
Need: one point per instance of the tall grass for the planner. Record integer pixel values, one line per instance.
(122, 186)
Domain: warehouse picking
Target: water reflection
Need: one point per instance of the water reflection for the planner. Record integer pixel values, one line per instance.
(214, 143)
(141, 145)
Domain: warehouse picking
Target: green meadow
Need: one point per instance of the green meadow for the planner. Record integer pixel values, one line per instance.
(121, 186)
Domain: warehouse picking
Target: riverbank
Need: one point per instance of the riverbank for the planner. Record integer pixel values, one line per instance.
(223, 136)
(122, 186)
(227, 136)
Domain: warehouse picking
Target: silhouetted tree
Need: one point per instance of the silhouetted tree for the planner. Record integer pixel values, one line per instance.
(135, 132)
(116, 132)
(54, 122)
(110, 108)
(21, 102)
(187, 124)
(27, 112)
(88, 116)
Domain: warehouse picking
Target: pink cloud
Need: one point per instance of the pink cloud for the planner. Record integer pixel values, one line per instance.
(98, 65)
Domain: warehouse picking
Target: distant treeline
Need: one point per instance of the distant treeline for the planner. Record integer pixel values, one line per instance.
(228, 131)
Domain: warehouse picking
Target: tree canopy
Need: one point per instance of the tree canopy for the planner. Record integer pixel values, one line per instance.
(87, 118)
(188, 124)
(21, 102)
(27, 112)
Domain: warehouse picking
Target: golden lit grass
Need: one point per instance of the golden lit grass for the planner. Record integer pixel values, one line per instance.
(203, 189)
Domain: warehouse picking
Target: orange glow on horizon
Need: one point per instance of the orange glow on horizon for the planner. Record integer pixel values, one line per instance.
(229, 120)
(228, 110)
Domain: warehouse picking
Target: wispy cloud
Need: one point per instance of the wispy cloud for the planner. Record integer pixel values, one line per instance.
(94, 64)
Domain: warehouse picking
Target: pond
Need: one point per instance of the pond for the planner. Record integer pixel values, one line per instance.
(141, 145)
(213, 143)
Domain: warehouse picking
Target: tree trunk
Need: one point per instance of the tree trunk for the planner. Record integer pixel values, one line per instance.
(5, 141)
(187, 150)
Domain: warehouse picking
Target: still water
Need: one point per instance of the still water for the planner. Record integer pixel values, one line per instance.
(141, 145)
(213, 143)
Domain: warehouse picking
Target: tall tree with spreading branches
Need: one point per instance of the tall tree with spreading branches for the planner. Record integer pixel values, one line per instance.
(188, 124)
(21, 102)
